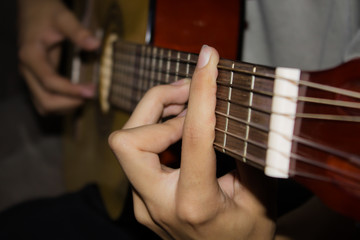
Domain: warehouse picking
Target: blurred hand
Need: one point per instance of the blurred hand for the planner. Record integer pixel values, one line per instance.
(189, 202)
(43, 25)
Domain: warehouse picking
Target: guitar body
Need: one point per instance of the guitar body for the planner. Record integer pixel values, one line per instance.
(88, 158)
(341, 191)
(180, 27)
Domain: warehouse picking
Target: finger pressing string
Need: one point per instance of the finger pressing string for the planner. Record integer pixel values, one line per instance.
(154, 103)
(198, 163)
(137, 150)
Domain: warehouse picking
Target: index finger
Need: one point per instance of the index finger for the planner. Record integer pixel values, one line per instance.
(198, 163)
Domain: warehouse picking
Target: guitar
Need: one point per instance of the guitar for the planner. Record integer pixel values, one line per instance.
(287, 122)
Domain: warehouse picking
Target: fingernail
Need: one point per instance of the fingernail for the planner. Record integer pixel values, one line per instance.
(180, 82)
(204, 56)
(183, 113)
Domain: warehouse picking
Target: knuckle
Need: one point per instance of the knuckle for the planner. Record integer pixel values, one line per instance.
(154, 96)
(197, 132)
(155, 92)
(191, 134)
(190, 213)
(161, 215)
(120, 140)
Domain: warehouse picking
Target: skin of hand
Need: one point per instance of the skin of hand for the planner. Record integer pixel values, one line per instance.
(189, 202)
(43, 25)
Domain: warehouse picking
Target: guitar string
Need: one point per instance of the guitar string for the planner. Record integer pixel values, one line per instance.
(319, 116)
(170, 60)
(260, 164)
(320, 147)
(330, 102)
(264, 147)
(323, 87)
(265, 129)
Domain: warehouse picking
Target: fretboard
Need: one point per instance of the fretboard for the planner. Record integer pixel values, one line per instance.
(244, 94)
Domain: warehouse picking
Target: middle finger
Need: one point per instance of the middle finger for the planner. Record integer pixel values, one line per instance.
(152, 105)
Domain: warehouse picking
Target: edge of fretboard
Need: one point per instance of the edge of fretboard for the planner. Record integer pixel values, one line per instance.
(249, 110)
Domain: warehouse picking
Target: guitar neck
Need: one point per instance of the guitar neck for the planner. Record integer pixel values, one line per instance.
(261, 114)
(244, 94)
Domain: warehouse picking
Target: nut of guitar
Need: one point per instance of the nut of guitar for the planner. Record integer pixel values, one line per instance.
(106, 71)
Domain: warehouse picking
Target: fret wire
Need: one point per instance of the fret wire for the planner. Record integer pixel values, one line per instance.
(153, 64)
(189, 62)
(246, 106)
(130, 84)
(121, 89)
(128, 87)
(323, 87)
(168, 67)
(188, 65)
(186, 74)
(177, 65)
(180, 73)
(120, 82)
(256, 143)
(160, 64)
(126, 97)
(253, 159)
(148, 66)
(141, 71)
(314, 116)
(300, 98)
(133, 77)
(319, 86)
(299, 158)
(221, 67)
(294, 156)
(228, 107)
(257, 126)
(170, 58)
(249, 112)
(298, 115)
